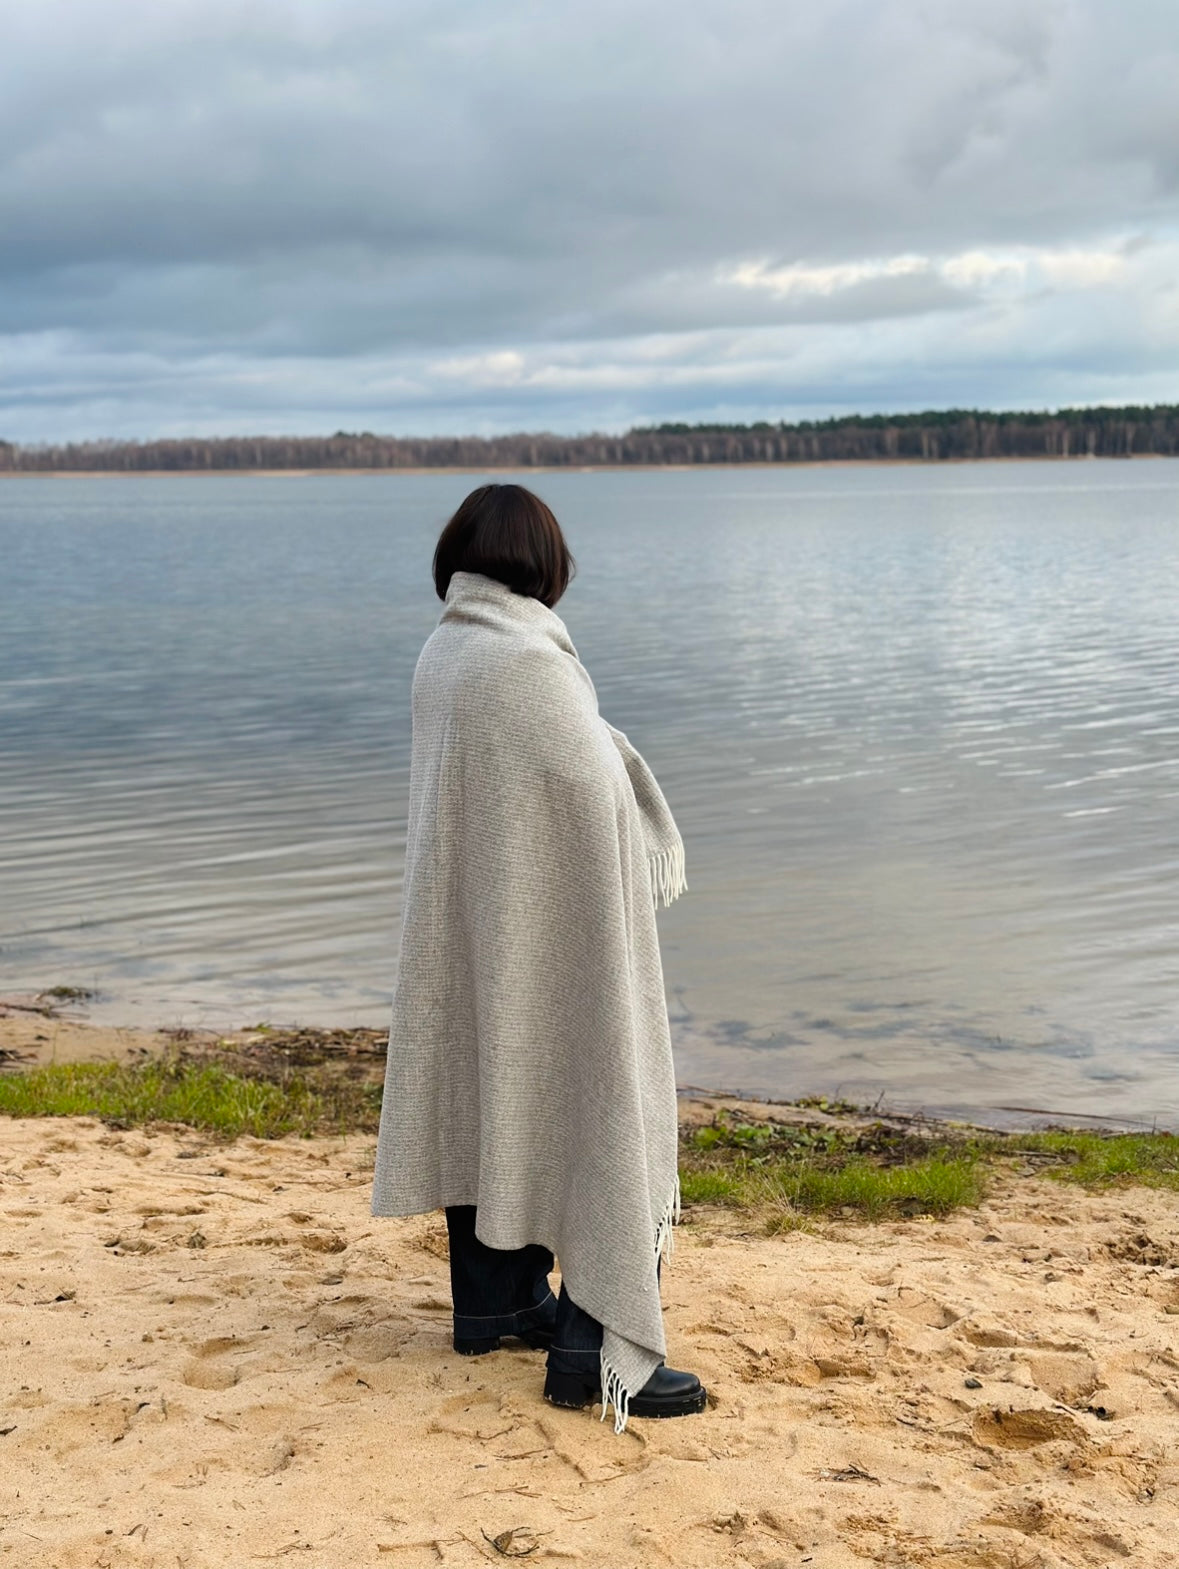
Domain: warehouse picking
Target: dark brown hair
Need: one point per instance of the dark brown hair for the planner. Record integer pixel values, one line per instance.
(505, 532)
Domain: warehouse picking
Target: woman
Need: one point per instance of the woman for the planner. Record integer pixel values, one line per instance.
(529, 1088)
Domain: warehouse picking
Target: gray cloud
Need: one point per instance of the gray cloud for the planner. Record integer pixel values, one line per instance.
(454, 216)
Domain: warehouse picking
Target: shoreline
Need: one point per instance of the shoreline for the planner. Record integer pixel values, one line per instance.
(1079, 459)
(37, 1029)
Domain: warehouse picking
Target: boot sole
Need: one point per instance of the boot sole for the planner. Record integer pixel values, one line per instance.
(560, 1389)
(687, 1405)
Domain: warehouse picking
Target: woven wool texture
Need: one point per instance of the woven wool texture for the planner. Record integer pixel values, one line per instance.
(530, 1068)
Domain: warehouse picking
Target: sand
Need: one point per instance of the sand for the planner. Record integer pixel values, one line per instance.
(35, 1029)
(213, 1355)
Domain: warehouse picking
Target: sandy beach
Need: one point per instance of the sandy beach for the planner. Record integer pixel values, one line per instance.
(215, 1356)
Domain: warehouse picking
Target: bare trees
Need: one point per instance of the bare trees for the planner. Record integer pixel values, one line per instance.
(932, 436)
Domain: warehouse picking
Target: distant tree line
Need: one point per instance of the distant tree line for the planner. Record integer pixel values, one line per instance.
(932, 436)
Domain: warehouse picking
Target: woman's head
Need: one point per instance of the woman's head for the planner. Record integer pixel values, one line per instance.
(505, 532)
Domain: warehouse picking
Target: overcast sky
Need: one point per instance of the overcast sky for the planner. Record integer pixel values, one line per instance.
(488, 215)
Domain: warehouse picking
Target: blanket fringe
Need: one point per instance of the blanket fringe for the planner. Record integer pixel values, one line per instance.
(614, 1391)
(664, 1231)
(667, 875)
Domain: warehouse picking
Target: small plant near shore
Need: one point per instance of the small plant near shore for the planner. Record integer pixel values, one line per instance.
(834, 1107)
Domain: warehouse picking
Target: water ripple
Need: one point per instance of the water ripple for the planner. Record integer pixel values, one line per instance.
(919, 730)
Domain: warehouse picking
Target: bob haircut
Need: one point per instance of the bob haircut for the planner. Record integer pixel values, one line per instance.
(507, 533)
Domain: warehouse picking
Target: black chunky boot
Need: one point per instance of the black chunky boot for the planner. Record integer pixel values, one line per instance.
(667, 1392)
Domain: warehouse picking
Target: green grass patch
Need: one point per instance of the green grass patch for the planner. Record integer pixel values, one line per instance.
(880, 1171)
(1098, 1160)
(713, 1187)
(789, 1171)
(200, 1094)
(933, 1186)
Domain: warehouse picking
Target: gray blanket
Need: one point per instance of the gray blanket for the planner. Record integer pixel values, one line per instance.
(530, 1069)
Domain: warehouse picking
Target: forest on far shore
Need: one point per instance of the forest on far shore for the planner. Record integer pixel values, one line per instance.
(933, 436)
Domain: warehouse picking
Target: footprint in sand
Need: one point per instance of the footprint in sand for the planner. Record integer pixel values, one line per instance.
(206, 1370)
(1069, 1379)
(1026, 1429)
(918, 1308)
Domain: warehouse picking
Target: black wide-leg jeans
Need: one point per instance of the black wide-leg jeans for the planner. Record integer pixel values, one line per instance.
(505, 1291)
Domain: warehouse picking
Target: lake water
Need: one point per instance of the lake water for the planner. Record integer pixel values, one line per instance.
(919, 727)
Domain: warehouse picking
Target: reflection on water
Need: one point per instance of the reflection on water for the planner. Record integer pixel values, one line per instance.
(918, 727)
